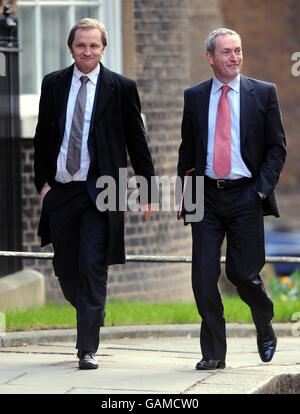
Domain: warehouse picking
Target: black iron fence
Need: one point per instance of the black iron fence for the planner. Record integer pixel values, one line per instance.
(10, 175)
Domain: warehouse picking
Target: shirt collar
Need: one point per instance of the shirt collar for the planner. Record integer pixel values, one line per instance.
(234, 84)
(93, 75)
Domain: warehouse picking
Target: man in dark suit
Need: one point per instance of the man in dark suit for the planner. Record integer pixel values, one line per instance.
(89, 118)
(232, 134)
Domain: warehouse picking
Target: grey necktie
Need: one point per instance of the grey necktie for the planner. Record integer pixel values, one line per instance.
(75, 139)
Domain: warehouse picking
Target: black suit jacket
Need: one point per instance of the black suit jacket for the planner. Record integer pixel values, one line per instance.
(261, 133)
(116, 128)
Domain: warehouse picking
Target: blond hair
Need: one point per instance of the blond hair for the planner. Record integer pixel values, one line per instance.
(88, 23)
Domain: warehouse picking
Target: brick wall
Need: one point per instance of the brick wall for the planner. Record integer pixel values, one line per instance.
(204, 16)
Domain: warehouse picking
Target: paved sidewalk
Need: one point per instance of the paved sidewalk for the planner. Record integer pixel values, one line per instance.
(147, 360)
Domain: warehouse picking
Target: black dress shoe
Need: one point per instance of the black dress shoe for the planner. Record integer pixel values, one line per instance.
(266, 344)
(87, 360)
(206, 364)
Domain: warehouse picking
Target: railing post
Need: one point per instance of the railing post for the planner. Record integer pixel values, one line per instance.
(10, 157)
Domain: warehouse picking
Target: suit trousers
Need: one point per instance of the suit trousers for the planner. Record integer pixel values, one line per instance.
(79, 234)
(237, 214)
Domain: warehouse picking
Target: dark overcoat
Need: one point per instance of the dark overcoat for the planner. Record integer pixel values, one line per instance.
(116, 130)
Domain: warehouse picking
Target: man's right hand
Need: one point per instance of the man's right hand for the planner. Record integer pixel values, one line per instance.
(44, 191)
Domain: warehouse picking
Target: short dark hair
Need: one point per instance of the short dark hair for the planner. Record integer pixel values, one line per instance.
(88, 23)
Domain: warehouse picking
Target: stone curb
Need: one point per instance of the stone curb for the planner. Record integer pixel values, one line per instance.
(10, 339)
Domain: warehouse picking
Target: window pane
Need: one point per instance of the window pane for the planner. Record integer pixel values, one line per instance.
(81, 12)
(55, 30)
(27, 57)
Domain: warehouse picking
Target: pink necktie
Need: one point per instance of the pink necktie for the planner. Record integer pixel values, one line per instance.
(222, 151)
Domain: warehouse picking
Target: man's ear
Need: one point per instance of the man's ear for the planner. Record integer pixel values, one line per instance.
(209, 57)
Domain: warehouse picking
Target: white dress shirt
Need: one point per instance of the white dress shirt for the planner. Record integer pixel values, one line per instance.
(62, 175)
(238, 167)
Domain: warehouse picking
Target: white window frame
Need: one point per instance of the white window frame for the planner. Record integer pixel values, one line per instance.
(110, 13)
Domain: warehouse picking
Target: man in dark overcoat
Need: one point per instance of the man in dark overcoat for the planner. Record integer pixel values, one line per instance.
(89, 119)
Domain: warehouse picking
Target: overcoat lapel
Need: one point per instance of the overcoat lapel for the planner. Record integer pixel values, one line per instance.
(104, 91)
(61, 92)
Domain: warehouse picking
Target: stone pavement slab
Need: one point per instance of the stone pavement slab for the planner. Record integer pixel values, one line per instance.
(148, 365)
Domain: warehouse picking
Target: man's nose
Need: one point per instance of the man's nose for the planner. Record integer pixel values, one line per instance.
(234, 56)
(87, 50)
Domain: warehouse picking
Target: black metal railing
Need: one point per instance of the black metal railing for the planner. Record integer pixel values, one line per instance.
(10, 137)
(145, 258)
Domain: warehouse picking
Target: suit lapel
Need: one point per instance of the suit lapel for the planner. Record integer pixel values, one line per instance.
(246, 106)
(202, 99)
(247, 94)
